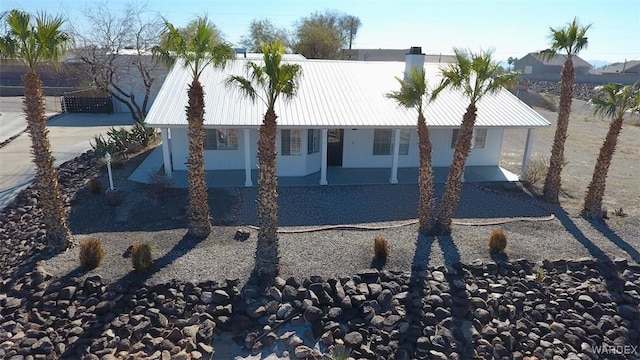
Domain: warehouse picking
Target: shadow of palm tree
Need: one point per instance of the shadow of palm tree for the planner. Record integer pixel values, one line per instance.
(129, 283)
(462, 319)
(571, 227)
(605, 230)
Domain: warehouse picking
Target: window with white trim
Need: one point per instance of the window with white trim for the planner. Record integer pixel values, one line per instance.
(290, 142)
(478, 140)
(382, 141)
(313, 141)
(221, 139)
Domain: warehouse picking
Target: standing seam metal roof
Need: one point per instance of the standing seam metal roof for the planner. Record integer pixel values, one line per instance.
(332, 94)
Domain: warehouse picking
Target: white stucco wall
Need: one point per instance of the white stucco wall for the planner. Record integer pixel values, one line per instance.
(357, 152)
(489, 155)
(214, 159)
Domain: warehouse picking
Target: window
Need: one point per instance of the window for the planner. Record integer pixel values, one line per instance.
(221, 139)
(382, 142)
(405, 136)
(290, 142)
(479, 138)
(313, 141)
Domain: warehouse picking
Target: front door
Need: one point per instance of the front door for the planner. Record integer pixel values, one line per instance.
(335, 140)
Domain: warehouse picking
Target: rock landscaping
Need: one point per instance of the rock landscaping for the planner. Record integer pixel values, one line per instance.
(565, 309)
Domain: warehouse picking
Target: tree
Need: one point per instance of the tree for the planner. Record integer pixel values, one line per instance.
(413, 93)
(570, 40)
(267, 82)
(476, 75)
(262, 31)
(511, 61)
(32, 41)
(196, 53)
(116, 49)
(324, 35)
(614, 101)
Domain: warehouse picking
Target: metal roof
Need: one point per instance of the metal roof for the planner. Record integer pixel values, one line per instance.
(332, 94)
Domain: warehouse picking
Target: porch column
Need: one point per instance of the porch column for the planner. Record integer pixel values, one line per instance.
(527, 154)
(323, 158)
(247, 157)
(166, 152)
(396, 152)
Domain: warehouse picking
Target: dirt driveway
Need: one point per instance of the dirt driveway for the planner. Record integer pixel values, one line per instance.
(585, 136)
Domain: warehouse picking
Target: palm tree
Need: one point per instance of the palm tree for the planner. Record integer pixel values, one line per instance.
(33, 41)
(412, 94)
(570, 40)
(612, 100)
(476, 75)
(267, 81)
(197, 51)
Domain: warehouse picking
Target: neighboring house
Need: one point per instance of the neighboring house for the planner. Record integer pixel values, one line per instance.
(391, 55)
(340, 119)
(537, 64)
(627, 67)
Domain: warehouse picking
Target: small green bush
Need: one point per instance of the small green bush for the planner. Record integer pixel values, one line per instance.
(91, 253)
(380, 249)
(498, 241)
(95, 186)
(141, 257)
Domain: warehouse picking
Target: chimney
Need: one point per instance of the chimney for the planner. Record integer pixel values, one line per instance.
(414, 58)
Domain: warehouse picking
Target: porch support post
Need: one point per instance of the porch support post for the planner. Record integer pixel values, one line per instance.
(527, 154)
(396, 152)
(166, 152)
(323, 160)
(247, 157)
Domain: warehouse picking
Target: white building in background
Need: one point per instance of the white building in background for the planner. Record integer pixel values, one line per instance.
(340, 117)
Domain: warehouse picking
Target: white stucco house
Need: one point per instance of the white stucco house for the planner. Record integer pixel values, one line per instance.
(339, 120)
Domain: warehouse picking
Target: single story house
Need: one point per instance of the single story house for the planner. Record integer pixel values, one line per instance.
(627, 67)
(339, 119)
(537, 64)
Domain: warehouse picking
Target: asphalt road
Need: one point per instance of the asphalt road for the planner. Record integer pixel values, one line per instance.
(69, 135)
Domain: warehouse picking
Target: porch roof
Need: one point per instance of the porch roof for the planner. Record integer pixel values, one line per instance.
(332, 94)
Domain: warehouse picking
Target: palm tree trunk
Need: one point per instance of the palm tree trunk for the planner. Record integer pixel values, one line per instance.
(199, 217)
(267, 258)
(556, 163)
(50, 198)
(453, 186)
(593, 199)
(426, 203)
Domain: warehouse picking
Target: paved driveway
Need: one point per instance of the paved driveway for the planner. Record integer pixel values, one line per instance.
(69, 135)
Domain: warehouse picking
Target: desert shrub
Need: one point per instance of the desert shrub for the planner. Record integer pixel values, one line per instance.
(159, 181)
(339, 352)
(498, 241)
(123, 141)
(141, 257)
(537, 171)
(91, 253)
(540, 274)
(95, 186)
(380, 248)
(551, 101)
(619, 212)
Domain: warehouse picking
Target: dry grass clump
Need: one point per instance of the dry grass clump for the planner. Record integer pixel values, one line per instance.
(141, 257)
(498, 241)
(91, 253)
(95, 186)
(380, 249)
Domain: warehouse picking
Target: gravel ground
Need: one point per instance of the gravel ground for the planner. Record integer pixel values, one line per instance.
(343, 252)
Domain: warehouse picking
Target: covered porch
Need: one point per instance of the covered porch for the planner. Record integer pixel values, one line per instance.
(334, 175)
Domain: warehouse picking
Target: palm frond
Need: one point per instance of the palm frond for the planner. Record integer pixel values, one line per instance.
(615, 100)
(243, 84)
(571, 39)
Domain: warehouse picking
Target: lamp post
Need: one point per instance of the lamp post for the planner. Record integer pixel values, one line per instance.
(107, 157)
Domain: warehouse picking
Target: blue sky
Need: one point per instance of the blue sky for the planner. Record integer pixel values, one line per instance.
(510, 27)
